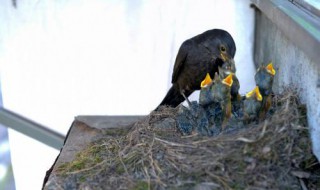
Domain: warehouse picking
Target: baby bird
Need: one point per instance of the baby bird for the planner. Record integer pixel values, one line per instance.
(252, 105)
(217, 91)
(205, 97)
(230, 68)
(236, 99)
(264, 80)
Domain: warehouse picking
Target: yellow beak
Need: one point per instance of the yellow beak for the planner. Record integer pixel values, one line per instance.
(270, 69)
(255, 91)
(228, 80)
(207, 80)
(224, 57)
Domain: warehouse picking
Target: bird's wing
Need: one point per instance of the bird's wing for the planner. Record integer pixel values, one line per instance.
(180, 60)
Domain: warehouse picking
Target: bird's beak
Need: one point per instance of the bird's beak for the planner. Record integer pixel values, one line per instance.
(224, 57)
(255, 91)
(207, 81)
(228, 80)
(270, 69)
(233, 67)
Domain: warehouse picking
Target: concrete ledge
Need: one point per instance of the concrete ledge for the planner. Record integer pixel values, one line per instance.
(290, 38)
(300, 27)
(103, 122)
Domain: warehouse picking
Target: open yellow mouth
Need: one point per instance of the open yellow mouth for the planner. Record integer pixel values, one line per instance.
(207, 80)
(270, 69)
(255, 91)
(228, 80)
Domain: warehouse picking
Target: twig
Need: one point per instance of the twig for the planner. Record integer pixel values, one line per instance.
(173, 143)
(243, 139)
(303, 185)
(190, 136)
(148, 176)
(225, 185)
(86, 169)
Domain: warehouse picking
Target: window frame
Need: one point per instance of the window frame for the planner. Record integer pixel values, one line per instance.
(307, 6)
(300, 27)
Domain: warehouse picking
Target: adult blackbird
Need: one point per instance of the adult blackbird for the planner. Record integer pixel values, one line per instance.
(196, 57)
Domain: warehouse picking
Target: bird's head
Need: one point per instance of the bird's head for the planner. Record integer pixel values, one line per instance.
(226, 69)
(255, 93)
(224, 54)
(220, 45)
(221, 88)
(270, 69)
(206, 82)
(228, 80)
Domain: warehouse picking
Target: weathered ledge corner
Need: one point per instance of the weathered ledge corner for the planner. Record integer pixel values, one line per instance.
(86, 129)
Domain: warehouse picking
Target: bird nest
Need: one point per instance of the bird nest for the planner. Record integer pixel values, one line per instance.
(152, 154)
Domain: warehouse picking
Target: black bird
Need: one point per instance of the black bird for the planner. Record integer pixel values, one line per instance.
(196, 57)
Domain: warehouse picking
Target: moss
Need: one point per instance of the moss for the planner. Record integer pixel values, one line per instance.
(141, 185)
(114, 132)
(77, 165)
(120, 169)
(87, 158)
(82, 178)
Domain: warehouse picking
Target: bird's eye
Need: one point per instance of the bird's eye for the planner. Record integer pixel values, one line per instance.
(222, 48)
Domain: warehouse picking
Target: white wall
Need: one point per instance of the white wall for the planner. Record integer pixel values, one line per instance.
(60, 59)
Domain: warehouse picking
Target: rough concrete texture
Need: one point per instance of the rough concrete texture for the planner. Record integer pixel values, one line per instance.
(294, 69)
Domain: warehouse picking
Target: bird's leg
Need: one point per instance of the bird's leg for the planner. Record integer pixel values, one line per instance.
(266, 104)
(186, 98)
(226, 113)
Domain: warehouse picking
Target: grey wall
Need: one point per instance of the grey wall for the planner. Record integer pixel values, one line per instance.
(294, 68)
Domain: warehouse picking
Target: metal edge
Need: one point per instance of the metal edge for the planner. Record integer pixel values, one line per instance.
(30, 128)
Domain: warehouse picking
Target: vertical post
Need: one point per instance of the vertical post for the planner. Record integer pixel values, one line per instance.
(6, 174)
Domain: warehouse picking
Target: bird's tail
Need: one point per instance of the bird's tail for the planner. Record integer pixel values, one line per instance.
(173, 98)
